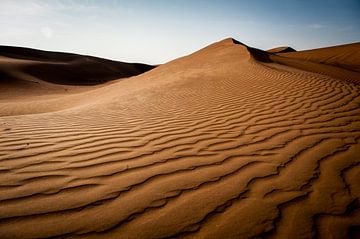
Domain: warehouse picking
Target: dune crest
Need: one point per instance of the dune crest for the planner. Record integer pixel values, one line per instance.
(228, 142)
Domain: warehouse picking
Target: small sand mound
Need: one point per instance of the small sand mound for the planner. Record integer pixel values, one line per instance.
(282, 49)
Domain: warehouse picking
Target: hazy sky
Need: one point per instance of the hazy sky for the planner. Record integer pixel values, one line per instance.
(155, 31)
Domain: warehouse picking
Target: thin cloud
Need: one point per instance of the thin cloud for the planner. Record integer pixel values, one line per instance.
(41, 7)
(316, 26)
(22, 8)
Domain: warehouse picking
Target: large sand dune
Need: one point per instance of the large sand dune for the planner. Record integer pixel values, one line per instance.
(228, 142)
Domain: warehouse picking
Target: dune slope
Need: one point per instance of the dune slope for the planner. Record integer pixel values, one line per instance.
(223, 143)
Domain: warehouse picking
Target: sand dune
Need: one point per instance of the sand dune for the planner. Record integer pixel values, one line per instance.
(67, 68)
(40, 81)
(342, 62)
(281, 49)
(223, 143)
(344, 56)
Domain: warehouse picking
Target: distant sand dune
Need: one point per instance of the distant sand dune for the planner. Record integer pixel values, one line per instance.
(40, 81)
(69, 69)
(342, 62)
(223, 143)
(282, 49)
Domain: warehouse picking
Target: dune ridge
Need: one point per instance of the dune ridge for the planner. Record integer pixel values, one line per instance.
(223, 143)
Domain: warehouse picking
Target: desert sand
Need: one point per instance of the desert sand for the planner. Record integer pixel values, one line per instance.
(228, 142)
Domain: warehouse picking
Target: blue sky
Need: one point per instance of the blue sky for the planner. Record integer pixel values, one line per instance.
(158, 31)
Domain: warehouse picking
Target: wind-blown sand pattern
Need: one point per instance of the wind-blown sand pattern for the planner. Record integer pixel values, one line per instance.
(223, 143)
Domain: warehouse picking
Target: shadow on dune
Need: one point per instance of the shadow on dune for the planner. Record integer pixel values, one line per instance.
(258, 54)
(71, 69)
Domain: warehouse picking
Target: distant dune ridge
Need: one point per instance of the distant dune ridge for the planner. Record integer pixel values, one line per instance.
(228, 142)
(68, 68)
(35, 81)
(282, 49)
(342, 62)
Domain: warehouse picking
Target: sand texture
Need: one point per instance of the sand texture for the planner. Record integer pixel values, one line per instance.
(228, 142)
